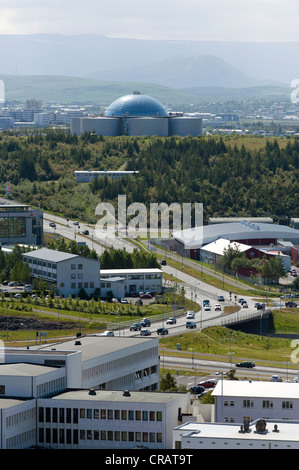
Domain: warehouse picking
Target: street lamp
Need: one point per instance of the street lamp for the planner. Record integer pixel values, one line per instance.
(23, 324)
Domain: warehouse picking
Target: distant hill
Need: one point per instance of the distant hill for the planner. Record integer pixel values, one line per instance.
(76, 90)
(86, 55)
(184, 71)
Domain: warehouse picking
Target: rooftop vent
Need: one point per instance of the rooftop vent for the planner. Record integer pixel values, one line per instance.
(261, 426)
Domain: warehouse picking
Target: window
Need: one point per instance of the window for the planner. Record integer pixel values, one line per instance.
(68, 415)
(73, 285)
(54, 415)
(159, 415)
(41, 415)
(80, 276)
(131, 415)
(80, 266)
(288, 405)
(116, 414)
(96, 435)
(117, 436)
(110, 414)
(124, 436)
(89, 413)
(267, 404)
(92, 285)
(61, 415)
(124, 414)
(48, 415)
(73, 266)
(138, 415)
(103, 414)
(75, 415)
(248, 404)
(145, 415)
(75, 436)
(82, 413)
(152, 416)
(103, 435)
(96, 414)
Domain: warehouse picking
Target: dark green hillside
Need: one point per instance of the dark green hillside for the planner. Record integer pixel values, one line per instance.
(231, 176)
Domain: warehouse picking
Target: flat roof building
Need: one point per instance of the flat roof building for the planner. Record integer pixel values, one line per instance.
(20, 224)
(136, 280)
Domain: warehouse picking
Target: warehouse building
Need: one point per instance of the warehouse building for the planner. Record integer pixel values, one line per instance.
(136, 115)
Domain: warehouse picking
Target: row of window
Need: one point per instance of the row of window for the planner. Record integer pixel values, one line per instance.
(72, 436)
(81, 285)
(69, 415)
(285, 404)
(45, 264)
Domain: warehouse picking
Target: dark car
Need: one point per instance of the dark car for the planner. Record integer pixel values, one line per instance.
(208, 384)
(145, 322)
(146, 296)
(220, 298)
(163, 262)
(290, 304)
(85, 232)
(145, 333)
(190, 324)
(135, 327)
(197, 389)
(247, 364)
(162, 331)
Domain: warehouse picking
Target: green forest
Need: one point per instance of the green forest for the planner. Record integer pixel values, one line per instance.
(230, 176)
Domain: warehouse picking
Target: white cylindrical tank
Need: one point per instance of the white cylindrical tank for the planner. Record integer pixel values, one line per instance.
(185, 126)
(147, 126)
(75, 124)
(101, 126)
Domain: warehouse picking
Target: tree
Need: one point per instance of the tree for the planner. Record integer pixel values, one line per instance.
(168, 383)
(272, 269)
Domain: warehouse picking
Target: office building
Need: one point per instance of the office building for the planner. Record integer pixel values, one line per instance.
(20, 224)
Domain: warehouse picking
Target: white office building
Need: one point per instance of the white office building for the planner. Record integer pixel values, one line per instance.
(259, 434)
(237, 400)
(70, 273)
(136, 280)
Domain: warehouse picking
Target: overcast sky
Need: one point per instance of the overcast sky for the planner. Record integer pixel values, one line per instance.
(213, 20)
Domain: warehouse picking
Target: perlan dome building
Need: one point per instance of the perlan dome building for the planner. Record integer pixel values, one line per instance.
(135, 115)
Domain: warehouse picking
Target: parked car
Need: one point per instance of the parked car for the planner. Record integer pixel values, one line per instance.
(247, 364)
(197, 389)
(114, 300)
(208, 383)
(107, 333)
(124, 301)
(290, 304)
(146, 296)
(190, 324)
(135, 327)
(145, 322)
(190, 315)
(162, 331)
(217, 307)
(145, 333)
(276, 378)
(220, 298)
(171, 321)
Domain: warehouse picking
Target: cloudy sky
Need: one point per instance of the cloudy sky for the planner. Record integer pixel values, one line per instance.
(213, 20)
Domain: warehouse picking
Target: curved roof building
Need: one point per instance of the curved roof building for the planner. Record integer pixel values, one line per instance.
(134, 115)
(136, 105)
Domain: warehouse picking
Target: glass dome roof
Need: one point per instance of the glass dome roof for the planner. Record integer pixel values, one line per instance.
(136, 105)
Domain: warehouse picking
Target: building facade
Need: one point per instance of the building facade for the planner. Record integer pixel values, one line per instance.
(136, 280)
(20, 224)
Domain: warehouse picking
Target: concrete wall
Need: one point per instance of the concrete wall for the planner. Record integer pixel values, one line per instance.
(185, 126)
(148, 126)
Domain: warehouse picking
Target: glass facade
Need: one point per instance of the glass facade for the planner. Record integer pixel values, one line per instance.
(136, 105)
(12, 227)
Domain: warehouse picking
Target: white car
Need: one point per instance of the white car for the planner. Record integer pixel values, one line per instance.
(76, 223)
(276, 378)
(207, 308)
(107, 333)
(190, 315)
(217, 307)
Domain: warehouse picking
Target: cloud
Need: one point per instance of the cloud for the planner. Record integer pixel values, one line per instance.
(236, 20)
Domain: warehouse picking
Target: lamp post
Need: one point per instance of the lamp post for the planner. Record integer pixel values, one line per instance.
(23, 324)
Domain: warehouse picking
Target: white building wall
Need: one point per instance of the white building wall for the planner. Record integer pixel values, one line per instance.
(77, 273)
(18, 426)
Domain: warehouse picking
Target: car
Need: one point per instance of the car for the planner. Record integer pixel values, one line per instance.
(261, 306)
(245, 305)
(206, 302)
(207, 307)
(217, 307)
(190, 315)
(13, 283)
(171, 321)
(190, 324)
(107, 333)
(294, 274)
(208, 383)
(145, 322)
(197, 389)
(17, 296)
(163, 262)
(146, 296)
(247, 364)
(162, 331)
(276, 378)
(114, 300)
(220, 298)
(135, 327)
(76, 223)
(241, 300)
(52, 224)
(290, 304)
(124, 301)
(85, 232)
(145, 333)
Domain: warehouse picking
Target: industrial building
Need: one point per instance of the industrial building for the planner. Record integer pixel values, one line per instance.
(88, 175)
(136, 115)
(20, 224)
(190, 241)
(135, 280)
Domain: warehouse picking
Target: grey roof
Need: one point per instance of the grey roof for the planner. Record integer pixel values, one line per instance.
(24, 370)
(198, 236)
(53, 256)
(119, 396)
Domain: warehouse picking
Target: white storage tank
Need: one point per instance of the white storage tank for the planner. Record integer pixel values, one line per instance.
(105, 126)
(75, 124)
(147, 126)
(185, 126)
